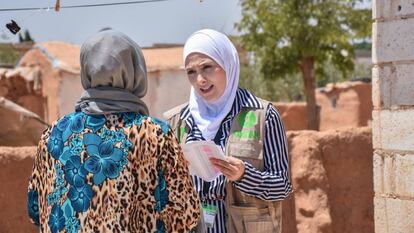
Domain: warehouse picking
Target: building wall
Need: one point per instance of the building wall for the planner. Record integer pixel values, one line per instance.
(344, 105)
(393, 124)
(166, 89)
(293, 115)
(17, 130)
(348, 105)
(70, 90)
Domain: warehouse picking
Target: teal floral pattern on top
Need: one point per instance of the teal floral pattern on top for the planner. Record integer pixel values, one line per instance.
(75, 173)
(33, 206)
(95, 122)
(129, 118)
(164, 125)
(161, 193)
(139, 118)
(56, 219)
(55, 144)
(106, 152)
(93, 174)
(81, 197)
(103, 158)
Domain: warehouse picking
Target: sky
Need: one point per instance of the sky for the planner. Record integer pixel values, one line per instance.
(171, 21)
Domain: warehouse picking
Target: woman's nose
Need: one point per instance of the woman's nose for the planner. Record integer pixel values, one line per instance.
(200, 79)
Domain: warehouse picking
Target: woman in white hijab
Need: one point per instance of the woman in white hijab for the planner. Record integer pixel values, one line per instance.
(255, 175)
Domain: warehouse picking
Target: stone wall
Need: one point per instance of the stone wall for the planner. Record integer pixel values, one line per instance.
(331, 174)
(393, 124)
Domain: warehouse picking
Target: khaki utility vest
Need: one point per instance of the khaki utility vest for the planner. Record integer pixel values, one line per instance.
(245, 213)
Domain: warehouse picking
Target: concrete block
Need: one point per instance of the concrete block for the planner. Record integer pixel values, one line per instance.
(381, 96)
(381, 9)
(404, 175)
(393, 85)
(380, 215)
(378, 164)
(402, 8)
(393, 41)
(376, 130)
(389, 175)
(402, 84)
(394, 130)
(393, 175)
(386, 9)
(376, 87)
(393, 215)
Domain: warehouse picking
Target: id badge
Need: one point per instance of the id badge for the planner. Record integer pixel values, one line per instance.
(209, 213)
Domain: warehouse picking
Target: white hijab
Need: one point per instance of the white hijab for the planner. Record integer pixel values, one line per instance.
(209, 115)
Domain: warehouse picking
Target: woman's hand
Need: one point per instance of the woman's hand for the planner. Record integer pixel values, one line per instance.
(233, 168)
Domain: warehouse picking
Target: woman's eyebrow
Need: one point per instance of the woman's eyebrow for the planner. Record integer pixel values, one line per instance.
(206, 62)
(202, 63)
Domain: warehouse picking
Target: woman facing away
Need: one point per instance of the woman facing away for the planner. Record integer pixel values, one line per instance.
(109, 167)
(255, 177)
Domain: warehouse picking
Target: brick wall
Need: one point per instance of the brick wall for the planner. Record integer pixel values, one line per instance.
(393, 115)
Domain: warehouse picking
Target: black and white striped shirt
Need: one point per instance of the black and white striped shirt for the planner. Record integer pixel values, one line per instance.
(271, 184)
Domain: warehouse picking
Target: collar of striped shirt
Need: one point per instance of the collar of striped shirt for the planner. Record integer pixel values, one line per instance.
(244, 99)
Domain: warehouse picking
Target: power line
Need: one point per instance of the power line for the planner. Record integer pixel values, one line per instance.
(82, 6)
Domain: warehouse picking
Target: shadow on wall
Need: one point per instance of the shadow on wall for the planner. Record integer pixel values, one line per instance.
(331, 173)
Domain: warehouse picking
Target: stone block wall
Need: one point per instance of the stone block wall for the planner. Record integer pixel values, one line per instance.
(393, 115)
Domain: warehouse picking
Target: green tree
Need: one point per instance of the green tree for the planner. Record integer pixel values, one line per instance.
(8, 56)
(282, 89)
(21, 39)
(25, 37)
(292, 36)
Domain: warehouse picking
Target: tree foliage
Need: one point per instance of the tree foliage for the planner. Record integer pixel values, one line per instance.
(283, 32)
(8, 56)
(278, 90)
(25, 37)
(288, 36)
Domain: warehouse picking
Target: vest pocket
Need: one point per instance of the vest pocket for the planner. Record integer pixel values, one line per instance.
(251, 219)
(259, 226)
(248, 151)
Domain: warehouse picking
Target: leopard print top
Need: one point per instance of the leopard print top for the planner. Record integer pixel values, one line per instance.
(111, 173)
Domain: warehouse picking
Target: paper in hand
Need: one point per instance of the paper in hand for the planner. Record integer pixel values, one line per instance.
(198, 154)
